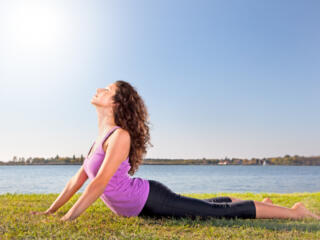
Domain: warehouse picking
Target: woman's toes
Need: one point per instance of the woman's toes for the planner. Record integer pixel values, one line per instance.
(267, 200)
(303, 212)
(298, 205)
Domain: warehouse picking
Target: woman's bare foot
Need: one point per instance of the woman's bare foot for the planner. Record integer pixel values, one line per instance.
(267, 200)
(303, 212)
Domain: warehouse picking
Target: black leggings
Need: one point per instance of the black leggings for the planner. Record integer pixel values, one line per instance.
(162, 202)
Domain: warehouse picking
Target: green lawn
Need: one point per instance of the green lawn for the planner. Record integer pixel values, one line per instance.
(98, 222)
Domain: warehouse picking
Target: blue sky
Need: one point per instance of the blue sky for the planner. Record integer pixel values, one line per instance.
(219, 78)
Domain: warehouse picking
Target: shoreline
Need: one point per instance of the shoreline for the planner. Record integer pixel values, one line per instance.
(193, 164)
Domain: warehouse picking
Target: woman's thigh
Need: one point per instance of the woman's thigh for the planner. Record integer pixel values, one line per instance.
(164, 202)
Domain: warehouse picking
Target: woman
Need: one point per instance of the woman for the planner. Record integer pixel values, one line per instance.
(123, 136)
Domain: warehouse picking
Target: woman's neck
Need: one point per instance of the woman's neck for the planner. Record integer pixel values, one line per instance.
(105, 123)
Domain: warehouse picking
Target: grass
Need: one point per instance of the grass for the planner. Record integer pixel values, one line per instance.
(98, 222)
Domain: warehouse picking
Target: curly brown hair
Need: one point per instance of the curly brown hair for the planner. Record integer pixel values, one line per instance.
(130, 113)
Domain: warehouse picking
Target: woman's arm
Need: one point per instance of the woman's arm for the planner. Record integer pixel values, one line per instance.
(116, 152)
(74, 184)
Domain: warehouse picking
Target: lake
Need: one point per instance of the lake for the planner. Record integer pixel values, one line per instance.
(179, 178)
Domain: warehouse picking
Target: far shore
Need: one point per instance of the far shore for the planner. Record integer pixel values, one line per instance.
(287, 160)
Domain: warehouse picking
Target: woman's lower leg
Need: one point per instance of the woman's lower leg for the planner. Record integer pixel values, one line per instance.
(264, 210)
(298, 211)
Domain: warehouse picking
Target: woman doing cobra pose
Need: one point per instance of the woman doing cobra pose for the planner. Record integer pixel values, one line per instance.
(123, 136)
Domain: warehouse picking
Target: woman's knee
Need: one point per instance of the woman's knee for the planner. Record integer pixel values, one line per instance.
(235, 199)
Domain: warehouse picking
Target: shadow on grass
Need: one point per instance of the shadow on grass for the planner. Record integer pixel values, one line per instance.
(270, 224)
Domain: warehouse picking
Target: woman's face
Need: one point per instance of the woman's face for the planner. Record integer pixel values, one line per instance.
(103, 97)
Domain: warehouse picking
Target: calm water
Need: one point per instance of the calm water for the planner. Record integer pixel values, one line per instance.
(179, 178)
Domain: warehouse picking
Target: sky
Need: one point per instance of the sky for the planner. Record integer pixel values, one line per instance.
(219, 78)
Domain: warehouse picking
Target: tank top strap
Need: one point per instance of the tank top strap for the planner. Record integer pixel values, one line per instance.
(109, 133)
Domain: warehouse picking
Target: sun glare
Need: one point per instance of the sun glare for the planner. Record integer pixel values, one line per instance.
(35, 25)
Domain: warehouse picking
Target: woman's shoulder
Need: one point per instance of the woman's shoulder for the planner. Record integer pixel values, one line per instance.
(118, 135)
(122, 133)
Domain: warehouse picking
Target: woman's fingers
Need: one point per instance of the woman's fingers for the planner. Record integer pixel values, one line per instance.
(39, 213)
(34, 213)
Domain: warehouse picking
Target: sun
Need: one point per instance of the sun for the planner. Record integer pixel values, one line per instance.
(35, 25)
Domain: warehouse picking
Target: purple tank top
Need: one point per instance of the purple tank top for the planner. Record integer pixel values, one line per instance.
(125, 196)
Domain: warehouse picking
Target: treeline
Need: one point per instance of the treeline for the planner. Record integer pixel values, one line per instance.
(285, 160)
(45, 161)
(295, 160)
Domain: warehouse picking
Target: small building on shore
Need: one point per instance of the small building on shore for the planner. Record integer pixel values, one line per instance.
(223, 163)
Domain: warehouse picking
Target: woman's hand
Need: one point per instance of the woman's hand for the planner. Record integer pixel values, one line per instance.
(67, 217)
(47, 212)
